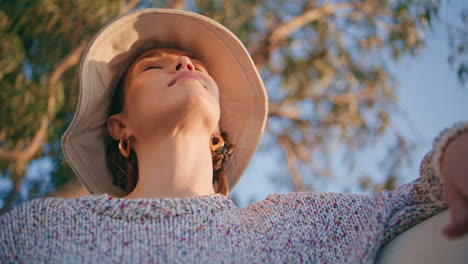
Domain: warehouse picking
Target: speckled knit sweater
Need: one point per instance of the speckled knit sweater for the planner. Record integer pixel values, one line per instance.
(310, 227)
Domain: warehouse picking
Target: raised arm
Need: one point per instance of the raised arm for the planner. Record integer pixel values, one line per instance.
(414, 202)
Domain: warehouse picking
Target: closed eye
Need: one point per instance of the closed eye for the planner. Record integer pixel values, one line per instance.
(199, 66)
(153, 67)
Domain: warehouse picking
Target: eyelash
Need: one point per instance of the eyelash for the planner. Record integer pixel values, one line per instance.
(157, 67)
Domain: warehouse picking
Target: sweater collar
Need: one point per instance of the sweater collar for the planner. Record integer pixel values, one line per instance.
(141, 208)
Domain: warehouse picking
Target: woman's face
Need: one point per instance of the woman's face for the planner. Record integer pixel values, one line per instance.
(166, 89)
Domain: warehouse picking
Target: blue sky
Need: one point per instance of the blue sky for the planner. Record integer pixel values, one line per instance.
(429, 94)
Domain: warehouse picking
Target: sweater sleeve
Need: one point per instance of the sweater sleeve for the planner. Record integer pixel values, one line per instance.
(416, 201)
(357, 225)
(412, 203)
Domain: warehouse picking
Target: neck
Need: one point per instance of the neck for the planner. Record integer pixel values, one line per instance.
(178, 165)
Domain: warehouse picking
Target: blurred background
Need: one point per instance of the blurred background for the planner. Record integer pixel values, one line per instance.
(358, 90)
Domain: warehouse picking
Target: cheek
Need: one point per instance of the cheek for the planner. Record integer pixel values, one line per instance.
(144, 98)
(213, 88)
(216, 92)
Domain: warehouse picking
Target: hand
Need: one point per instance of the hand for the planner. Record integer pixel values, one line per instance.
(454, 169)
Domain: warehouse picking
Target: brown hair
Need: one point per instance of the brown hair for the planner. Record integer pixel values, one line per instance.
(125, 170)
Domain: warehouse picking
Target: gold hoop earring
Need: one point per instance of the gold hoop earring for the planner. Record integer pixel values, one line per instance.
(216, 141)
(124, 151)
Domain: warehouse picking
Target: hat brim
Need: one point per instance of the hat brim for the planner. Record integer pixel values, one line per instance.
(243, 98)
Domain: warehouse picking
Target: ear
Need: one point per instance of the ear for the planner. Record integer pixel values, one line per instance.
(216, 129)
(117, 127)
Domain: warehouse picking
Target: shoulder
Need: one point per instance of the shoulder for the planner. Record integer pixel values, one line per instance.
(31, 224)
(308, 200)
(35, 210)
(312, 197)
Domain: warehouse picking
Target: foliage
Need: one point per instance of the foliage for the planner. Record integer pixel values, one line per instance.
(323, 62)
(458, 42)
(36, 37)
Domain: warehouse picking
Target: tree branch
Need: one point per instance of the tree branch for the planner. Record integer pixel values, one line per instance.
(27, 153)
(17, 169)
(353, 97)
(176, 4)
(282, 110)
(291, 161)
(10, 198)
(282, 31)
(69, 61)
(131, 5)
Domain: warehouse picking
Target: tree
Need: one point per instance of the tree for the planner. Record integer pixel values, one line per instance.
(458, 42)
(323, 62)
(39, 82)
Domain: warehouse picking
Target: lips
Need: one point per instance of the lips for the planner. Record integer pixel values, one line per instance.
(185, 75)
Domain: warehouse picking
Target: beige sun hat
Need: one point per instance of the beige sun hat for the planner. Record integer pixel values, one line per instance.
(243, 98)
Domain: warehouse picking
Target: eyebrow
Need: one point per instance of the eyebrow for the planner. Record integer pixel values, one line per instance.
(150, 54)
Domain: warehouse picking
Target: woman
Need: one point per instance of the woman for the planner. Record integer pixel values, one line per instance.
(170, 112)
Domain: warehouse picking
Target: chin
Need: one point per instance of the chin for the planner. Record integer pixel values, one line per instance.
(196, 105)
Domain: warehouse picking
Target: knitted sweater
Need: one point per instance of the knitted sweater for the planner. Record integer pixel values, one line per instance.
(311, 227)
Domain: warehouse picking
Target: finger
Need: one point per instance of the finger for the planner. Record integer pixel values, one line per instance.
(456, 229)
(459, 211)
(462, 185)
(455, 169)
(459, 179)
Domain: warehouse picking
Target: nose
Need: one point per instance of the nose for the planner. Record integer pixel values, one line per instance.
(183, 63)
